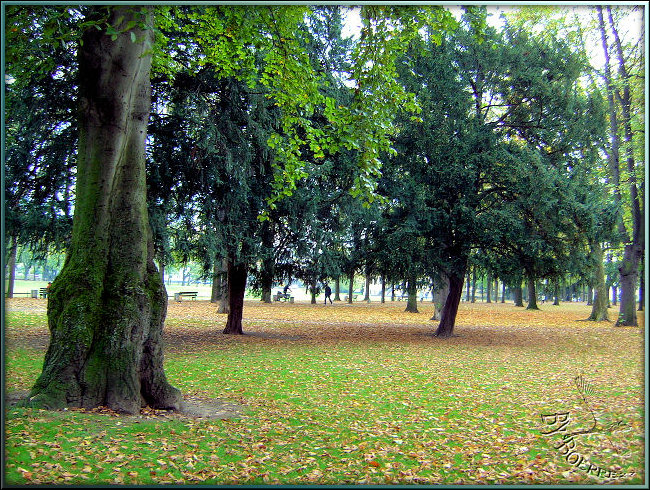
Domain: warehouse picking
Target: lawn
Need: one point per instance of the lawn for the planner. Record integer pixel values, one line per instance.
(353, 394)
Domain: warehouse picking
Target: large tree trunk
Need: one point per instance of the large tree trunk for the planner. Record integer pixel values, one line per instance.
(599, 304)
(519, 296)
(411, 289)
(532, 294)
(11, 265)
(107, 307)
(628, 269)
(450, 308)
(237, 274)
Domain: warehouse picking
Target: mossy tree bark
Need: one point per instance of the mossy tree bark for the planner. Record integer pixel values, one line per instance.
(107, 307)
(599, 303)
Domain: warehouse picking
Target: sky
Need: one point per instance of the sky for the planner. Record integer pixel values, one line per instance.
(630, 30)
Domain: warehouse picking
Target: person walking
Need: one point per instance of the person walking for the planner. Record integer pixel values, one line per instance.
(328, 293)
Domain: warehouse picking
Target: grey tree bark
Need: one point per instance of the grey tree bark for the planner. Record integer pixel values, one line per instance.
(108, 305)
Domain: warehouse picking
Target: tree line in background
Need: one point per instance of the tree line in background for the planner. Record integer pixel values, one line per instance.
(425, 152)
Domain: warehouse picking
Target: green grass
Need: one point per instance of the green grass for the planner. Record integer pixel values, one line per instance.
(336, 413)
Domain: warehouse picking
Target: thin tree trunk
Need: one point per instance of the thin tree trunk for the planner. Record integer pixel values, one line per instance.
(383, 288)
(556, 292)
(474, 285)
(312, 290)
(503, 292)
(237, 274)
(366, 297)
(614, 296)
(412, 304)
(351, 290)
(107, 306)
(224, 302)
(489, 286)
(267, 282)
(634, 248)
(216, 283)
(450, 308)
(162, 272)
(11, 265)
(439, 297)
(219, 282)
(641, 288)
(337, 289)
(392, 292)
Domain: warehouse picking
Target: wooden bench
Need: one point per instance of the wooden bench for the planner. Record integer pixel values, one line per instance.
(42, 293)
(354, 297)
(283, 297)
(185, 294)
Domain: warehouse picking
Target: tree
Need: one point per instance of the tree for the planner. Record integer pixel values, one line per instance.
(633, 251)
(107, 307)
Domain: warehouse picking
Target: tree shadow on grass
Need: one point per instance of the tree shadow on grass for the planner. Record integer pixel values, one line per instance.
(191, 407)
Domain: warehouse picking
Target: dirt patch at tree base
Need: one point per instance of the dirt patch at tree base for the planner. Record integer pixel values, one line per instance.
(208, 408)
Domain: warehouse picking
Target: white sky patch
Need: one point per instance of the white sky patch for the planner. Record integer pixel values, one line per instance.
(631, 30)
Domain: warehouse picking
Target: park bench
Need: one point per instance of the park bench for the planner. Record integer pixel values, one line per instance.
(354, 297)
(279, 296)
(42, 293)
(185, 294)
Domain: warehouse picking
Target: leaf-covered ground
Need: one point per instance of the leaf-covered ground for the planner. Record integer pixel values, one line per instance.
(351, 394)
